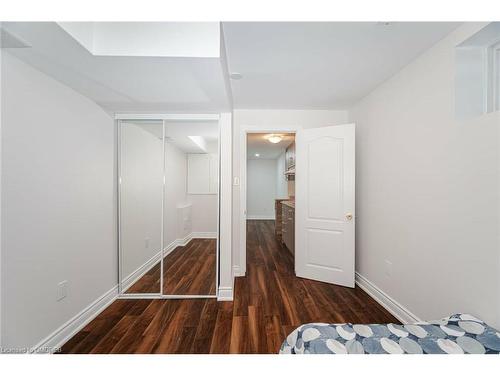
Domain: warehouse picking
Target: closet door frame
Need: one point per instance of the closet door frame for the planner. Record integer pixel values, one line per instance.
(164, 118)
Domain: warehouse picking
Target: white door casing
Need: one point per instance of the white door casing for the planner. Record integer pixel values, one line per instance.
(324, 204)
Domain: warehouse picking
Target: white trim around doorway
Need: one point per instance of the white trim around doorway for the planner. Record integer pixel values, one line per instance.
(241, 268)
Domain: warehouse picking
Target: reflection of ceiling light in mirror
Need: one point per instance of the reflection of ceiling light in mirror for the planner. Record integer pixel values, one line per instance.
(257, 155)
(274, 138)
(199, 141)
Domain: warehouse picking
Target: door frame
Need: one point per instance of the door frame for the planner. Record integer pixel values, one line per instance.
(164, 118)
(241, 268)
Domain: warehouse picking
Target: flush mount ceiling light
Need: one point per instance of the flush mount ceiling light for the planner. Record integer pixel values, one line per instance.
(236, 76)
(257, 155)
(273, 138)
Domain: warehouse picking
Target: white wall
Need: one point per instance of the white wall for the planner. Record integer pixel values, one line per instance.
(57, 203)
(140, 196)
(265, 120)
(204, 205)
(428, 192)
(204, 212)
(202, 175)
(281, 182)
(261, 188)
(175, 191)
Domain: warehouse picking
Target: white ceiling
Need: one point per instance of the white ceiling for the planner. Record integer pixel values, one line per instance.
(123, 83)
(285, 65)
(257, 143)
(179, 133)
(159, 39)
(318, 65)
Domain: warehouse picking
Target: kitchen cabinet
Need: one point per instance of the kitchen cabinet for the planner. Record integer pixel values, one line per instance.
(278, 226)
(288, 227)
(290, 156)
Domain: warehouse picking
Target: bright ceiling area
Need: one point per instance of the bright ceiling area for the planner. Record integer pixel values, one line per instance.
(320, 65)
(185, 67)
(259, 146)
(124, 83)
(192, 137)
(156, 39)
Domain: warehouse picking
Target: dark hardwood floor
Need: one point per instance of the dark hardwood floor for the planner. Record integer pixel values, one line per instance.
(269, 302)
(187, 270)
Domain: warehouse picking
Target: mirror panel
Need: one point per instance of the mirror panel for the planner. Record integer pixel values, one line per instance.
(141, 199)
(191, 207)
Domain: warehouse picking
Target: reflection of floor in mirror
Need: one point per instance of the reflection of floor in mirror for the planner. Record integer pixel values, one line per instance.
(188, 269)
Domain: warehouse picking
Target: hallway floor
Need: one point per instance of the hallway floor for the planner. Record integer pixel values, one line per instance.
(269, 302)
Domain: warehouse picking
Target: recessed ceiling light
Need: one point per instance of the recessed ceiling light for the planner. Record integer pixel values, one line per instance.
(236, 76)
(257, 155)
(273, 138)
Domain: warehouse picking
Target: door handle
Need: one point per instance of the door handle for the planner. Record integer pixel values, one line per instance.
(348, 216)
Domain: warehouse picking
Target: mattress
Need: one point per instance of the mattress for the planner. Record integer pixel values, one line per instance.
(456, 334)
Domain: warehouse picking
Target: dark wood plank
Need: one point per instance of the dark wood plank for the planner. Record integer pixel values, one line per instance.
(132, 338)
(206, 327)
(108, 342)
(239, 335)
(222, 331)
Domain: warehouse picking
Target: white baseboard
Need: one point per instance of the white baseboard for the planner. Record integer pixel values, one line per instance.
(404, 315)
(260, 217)
(204, 235)
(225, 293)
(184, 241)
(62, 334)
(237, 271)
(140, 271)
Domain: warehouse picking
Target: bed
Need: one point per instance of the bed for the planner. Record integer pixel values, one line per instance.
(456, 334)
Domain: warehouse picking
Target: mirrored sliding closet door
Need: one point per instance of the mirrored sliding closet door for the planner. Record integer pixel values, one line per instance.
(168, 208)
(191, 208)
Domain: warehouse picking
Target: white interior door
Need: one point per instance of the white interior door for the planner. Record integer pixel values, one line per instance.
(324, 204)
